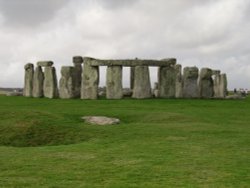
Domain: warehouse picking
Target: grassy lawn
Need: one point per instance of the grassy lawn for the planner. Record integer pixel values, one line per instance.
(159, 143)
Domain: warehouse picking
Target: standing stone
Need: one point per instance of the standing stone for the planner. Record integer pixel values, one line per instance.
(178, 82)
(66, 83)
(38, 82)
(77, 75)
(190, 85)
(114, 82)
(90, 81)
(220, 86)
(206, 83)
(132, 77)
(50, 88)
(166, 80)
(28, 80)
(142, 86)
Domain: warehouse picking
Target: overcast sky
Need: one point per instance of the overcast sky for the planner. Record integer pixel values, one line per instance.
(205, 33)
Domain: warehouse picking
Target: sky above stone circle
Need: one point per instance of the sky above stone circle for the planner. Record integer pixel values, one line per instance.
(211, 33)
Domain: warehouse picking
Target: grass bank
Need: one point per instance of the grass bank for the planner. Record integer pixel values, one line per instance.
(159, 143)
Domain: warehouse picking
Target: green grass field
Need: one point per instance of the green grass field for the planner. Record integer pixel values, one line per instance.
(159, 143)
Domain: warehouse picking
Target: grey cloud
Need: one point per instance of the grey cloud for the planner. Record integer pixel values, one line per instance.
(114, 4)
(29, 13)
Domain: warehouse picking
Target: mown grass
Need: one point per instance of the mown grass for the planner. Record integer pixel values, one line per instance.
(159, 143)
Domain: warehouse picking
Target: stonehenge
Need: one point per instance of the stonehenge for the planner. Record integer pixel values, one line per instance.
(81, 80)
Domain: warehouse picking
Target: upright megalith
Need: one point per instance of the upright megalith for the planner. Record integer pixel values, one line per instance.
(66, 83)
(206, 83)
(50, 88)
(178, 81)
(190, 85)
(28, 80)
(220, 85)
(77, 75)
(90, 80)
(38, 82)
(166, 81)
(142, 86)
(132, 77)
(114, 82)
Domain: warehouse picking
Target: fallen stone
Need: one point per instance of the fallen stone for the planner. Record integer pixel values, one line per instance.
(236, 96)
(14, 94)
(127, 92)
(100, 120)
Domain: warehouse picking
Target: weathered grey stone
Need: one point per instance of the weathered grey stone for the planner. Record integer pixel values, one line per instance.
(166, 80)
(142, 86)
(235, 96)
(114, 82)
(45, 63)
(100, 120)
(178, 82)
(206, 83)
(28, 80)
(38, 82)
(220, 86)
(190, 85)
(77, 75)
(10, 94)
(132, 77)
(50, 88)
(127, 92)
(215, 72)
(66, 83)
(90, 82)
(130, 62)
(78, 59)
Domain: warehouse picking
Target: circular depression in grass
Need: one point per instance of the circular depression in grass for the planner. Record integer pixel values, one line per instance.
(33, 134)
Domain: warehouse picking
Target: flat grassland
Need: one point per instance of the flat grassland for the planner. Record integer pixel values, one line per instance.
(159, 143)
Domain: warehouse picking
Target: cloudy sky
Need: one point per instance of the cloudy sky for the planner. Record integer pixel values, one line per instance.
(211, 33)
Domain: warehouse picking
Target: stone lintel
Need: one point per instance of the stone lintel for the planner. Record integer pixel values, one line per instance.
(129, 62)
(45, 63)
